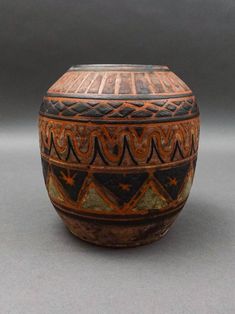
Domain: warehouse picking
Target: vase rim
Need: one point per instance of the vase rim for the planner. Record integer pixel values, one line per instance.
(119, 67)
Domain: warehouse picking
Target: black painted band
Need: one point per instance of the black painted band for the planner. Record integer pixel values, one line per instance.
(123, 121)
(122, 97)
(118, 219)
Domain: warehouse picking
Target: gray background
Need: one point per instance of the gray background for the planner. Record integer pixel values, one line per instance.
(44, 269)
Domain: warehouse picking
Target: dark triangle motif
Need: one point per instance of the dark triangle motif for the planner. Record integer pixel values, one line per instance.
(126, 148)
(154, 150)
(71, 180)
(97, 151)
(52, 149)
(123, 186)
(71, 151)
(177, 153)
(172, 179)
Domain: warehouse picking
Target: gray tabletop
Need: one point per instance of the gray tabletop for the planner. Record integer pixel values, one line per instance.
(44, 269)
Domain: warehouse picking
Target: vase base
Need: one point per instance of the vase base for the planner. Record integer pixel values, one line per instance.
(117, 233)
(120, 245)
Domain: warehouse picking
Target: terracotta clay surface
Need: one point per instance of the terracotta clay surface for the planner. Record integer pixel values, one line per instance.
(119, 146)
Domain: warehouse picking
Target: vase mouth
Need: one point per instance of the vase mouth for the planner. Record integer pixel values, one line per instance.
(119, 67)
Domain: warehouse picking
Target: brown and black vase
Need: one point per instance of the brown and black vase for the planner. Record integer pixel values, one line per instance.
(119, 146)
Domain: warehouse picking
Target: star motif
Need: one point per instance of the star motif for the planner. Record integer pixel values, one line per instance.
(125, 186)
(67, 178)
(172, 181)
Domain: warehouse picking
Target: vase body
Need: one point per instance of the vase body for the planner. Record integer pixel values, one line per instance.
(119, 146)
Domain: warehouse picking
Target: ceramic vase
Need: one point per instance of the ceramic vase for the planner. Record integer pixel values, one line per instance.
(119, 147)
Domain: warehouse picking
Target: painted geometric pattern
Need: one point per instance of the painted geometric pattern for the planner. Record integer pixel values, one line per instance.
(119, 193)
(70, 180)
(122, 186)
(155, 110)
(172, 179)
(125, 145)
(118, 83)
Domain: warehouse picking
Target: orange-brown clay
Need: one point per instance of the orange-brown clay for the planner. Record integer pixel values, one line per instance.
(119, 146)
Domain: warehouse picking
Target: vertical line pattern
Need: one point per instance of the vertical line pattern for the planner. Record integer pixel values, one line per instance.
(73, 82)
(133, 83)
(151, 87)
(117, 84)
(89, 85)
(160, 81)
(102, 83)
(85, 77)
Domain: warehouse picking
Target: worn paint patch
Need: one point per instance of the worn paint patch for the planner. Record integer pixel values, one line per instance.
(151, 200)
(93, 200)
(187, 187)
(53, 191)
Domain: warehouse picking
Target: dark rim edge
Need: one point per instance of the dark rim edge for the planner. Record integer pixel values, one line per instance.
(123, 97)
(119, 67)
